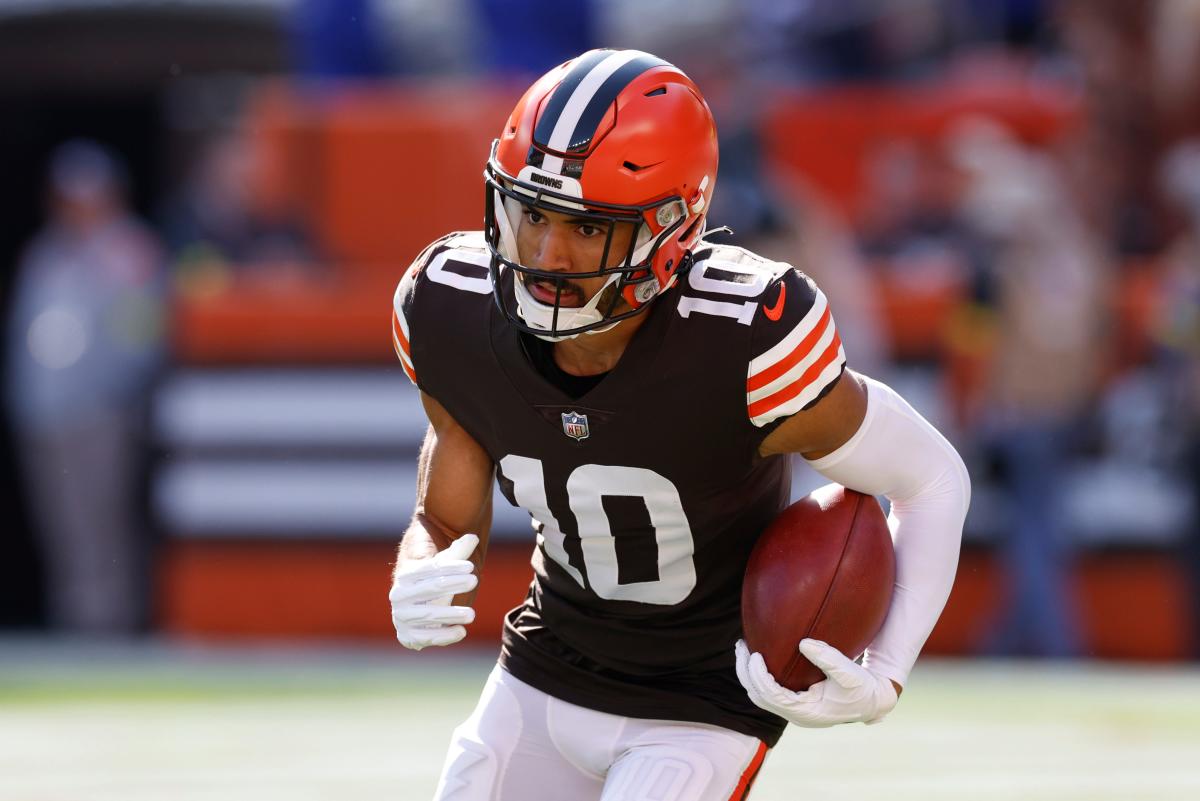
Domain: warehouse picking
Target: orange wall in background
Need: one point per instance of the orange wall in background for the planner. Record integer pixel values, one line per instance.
(1134, 603)
(268, 588)
(381, 170)
(828, 135)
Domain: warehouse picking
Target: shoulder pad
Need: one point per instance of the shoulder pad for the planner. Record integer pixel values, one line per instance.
(458, 260)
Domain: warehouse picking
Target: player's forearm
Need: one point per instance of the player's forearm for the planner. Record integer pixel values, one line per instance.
(454, 497)
(926, 531)
(899, 455)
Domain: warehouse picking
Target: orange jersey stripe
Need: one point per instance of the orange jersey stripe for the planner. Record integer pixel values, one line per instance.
(398, 342)
(408, 371)
(398, 333)
(761, 379)
(800, 384)
(747, 781)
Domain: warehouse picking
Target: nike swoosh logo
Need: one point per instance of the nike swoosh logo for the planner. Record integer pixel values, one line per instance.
(776, 311)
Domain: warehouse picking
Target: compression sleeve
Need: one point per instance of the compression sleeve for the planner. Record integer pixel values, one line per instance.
(898, 454)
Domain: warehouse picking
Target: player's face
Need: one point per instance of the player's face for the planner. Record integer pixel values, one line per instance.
(555, 242)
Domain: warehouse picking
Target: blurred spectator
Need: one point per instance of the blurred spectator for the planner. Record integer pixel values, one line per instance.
(780, 215)
(84, 341)
(1017, 23)
(1176, 69)
(839, 41)
(912, 225)
(1047, 289)
(795, 225)
(1177, 330)
(216, 226)
(1121, 139)
(844, 40)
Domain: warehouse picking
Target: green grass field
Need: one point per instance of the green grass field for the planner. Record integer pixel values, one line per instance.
(80, 723)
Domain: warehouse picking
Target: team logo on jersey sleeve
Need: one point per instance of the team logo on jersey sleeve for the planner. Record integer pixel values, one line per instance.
(575, 425)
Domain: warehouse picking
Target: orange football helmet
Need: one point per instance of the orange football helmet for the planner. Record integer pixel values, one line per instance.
(615, 136)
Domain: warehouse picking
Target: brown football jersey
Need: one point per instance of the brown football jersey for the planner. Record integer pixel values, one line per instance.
(647, 492)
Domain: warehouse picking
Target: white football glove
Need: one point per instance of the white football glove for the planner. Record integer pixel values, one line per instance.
(421, 593)
(849, 694)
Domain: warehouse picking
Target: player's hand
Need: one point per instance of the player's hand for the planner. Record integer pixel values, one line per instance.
(421, 593)
(849, 693)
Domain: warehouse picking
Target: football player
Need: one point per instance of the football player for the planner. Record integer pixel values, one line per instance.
(638, 390)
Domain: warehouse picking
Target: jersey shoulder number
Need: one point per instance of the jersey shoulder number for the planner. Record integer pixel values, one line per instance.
(460, 261)
(727, 281)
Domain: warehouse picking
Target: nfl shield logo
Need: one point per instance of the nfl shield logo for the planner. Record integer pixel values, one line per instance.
(575, 425)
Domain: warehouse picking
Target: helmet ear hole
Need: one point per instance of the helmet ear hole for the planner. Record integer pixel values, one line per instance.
(688, 232)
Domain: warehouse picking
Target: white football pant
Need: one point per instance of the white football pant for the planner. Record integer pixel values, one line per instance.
(521, 744)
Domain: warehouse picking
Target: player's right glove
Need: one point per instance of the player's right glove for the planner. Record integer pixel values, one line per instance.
(850, 693)
(421, 593)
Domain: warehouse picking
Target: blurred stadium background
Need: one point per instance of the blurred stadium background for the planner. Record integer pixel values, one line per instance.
(209, 449)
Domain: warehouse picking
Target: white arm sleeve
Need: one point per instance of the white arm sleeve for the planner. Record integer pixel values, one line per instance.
(898, 454)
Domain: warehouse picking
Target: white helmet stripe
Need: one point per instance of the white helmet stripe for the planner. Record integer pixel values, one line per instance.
(560, 138)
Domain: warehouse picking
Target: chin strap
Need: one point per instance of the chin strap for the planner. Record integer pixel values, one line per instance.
(541, 315)
(724, 229)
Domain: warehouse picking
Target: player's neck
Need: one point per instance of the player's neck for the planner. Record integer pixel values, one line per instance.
(592, 354)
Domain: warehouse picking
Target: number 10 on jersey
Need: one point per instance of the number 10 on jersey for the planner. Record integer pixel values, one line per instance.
(587, 486)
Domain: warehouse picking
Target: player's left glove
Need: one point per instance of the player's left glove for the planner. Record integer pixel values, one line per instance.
(849, 693)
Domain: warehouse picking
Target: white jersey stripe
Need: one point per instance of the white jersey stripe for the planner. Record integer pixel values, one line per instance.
(402, 322)
(789, 343)
(808, 395)
(403, 356)
(560, 138)
(798, 369)
(398, 306)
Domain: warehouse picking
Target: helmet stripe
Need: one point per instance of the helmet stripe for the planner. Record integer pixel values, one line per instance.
(564, 127)
(562, 93)
(589, 99)
(598, 106)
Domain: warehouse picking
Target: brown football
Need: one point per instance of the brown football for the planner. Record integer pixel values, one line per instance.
(824, 569)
